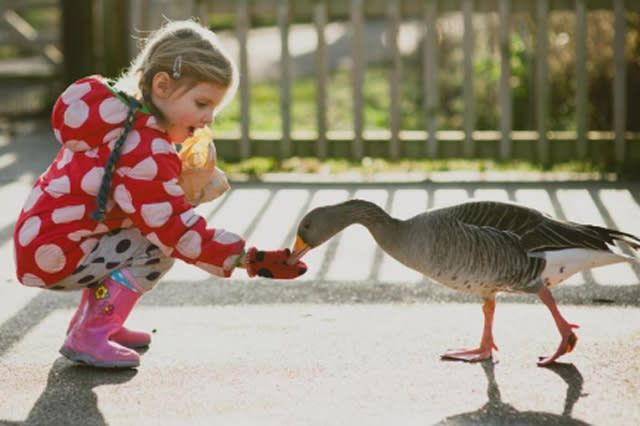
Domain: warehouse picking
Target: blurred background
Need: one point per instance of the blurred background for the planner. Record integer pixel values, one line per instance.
(487, 81)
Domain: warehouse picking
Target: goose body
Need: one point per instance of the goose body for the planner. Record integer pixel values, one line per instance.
(479, 247)
(486, 247)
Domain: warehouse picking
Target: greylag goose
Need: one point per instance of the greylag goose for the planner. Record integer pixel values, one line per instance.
(479, 247)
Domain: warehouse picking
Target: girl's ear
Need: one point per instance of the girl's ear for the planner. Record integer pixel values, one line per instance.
(161, 85)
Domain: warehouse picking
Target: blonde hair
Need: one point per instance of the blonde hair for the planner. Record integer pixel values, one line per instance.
(201, 55)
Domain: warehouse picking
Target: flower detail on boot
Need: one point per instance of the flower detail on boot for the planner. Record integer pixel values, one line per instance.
(108, 309)
(101, 292)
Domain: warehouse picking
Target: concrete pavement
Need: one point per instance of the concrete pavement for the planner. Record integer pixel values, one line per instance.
(355, 341)
(320, 364)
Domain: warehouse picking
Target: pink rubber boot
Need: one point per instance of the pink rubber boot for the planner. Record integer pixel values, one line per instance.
(107, 307)
(126, 337)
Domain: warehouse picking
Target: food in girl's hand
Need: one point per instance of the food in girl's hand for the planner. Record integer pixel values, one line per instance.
(200, 179)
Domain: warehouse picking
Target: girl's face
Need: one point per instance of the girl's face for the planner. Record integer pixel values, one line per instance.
(185, 109)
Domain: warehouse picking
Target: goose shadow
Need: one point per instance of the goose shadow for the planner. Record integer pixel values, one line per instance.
(69, 397)
(496, 412)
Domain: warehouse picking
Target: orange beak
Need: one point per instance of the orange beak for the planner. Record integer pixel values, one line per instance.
(300, 248)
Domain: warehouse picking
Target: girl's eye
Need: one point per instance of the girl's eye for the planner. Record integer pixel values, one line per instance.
(201, 104)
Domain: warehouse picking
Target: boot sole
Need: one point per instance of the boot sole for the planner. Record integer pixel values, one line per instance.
(134, 345)
(87, 359)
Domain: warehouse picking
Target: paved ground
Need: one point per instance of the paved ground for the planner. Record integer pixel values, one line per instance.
(354, 341)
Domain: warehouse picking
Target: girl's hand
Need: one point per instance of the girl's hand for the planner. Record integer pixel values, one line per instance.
(272, 264)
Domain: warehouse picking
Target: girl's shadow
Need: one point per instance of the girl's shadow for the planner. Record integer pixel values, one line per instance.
(496, 412)
(69, 398)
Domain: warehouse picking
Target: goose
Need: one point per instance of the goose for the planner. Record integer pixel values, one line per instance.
(482, 248)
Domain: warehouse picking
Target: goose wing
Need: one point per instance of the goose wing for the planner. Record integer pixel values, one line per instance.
(537, 231)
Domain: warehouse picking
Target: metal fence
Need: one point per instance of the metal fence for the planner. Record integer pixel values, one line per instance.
(538, 143)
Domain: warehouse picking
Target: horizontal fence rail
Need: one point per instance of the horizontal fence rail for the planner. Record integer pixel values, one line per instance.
(540, 143)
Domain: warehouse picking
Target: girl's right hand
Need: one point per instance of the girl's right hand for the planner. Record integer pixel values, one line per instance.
(272, 264)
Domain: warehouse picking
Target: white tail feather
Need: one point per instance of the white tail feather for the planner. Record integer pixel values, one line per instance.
(561, 264)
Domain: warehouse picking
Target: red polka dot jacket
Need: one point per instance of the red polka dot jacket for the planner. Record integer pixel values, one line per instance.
(54, 231)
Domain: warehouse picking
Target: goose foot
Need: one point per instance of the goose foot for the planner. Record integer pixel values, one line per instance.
(470, 355)
(569, 339)
(487, 345)
(566, 345)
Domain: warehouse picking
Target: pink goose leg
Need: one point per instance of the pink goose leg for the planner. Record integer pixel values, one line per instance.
(485, 351)
(569, 339)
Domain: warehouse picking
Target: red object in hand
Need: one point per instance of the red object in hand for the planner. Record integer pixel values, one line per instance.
(272, 264)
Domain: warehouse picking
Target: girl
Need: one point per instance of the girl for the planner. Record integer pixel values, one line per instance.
(108, 216)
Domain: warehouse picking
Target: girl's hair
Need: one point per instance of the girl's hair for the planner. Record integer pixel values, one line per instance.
(194, 49)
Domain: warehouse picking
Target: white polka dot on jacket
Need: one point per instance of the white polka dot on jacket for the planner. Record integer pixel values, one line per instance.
(54, 231)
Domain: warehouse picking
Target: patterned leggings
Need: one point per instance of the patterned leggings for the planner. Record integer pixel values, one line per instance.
(115, 250)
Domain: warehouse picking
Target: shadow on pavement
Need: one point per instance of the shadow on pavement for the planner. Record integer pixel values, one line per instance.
(38, 308)
(496, 412)
(68, 398)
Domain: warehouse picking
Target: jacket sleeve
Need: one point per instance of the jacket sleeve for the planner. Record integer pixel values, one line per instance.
(146, 188)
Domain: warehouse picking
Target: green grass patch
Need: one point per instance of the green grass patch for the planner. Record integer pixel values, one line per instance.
(265, 109)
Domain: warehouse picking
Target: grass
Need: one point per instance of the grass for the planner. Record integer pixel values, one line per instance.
(265, 105)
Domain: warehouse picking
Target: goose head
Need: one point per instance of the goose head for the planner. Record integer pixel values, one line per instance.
(315, 228)
(322, 223)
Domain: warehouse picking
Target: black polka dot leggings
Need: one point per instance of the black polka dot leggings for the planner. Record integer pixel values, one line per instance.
(115, 250)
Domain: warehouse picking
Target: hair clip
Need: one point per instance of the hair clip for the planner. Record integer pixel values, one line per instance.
(177, 67)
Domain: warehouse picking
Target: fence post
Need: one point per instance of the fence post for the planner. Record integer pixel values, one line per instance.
(581, 80)
(395, 75)
(322, 75)
(430, 91)
(285, 78)
(542, 83)
(505, 81)
(77, 40)
(619, 82)
(242, 29)
(469, 116)
(200, 9)
(117, 32)
(357, 77)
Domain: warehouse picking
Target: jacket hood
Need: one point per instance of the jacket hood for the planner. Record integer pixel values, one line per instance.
(89, 113)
